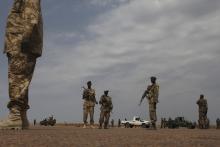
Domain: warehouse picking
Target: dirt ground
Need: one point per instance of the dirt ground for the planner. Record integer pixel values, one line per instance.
(70, 136)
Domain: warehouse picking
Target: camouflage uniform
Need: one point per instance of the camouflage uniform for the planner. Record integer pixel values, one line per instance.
(23, 44)
(203, 108)
(89, 104)
(106, 108)
(152, 96)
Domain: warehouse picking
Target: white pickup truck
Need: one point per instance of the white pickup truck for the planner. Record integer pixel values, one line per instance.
(136, 122)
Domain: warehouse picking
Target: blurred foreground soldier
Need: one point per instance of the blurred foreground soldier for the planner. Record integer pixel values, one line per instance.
(218, 123)
(106, 108)
(89, 104)
(203, 109)
(152, 94)
(119, 123)
(23, 45)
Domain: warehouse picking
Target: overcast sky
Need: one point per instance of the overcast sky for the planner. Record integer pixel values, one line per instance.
(118, 44)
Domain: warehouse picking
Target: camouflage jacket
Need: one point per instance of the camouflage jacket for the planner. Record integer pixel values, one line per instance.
(106, 103)
(203, 106)
(89, 95)
(153, 93)
(24, 28)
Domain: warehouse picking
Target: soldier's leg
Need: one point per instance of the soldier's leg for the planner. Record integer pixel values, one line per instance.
(107, 116)
(101, 119)
(20, 72)
(85, 114)
(91, 112)
(153, 116)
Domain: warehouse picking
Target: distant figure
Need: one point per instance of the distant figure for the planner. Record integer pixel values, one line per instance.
(23, 45)
(125, 119)
(162, 123)
(106, 108)
(35, 122)
(112, 123)
(203, 109)
(89, 104)
(119, 123)
(152, 94)
(218, 123)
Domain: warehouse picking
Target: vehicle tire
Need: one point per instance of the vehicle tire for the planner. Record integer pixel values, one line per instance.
(143, 125)
(127, 125)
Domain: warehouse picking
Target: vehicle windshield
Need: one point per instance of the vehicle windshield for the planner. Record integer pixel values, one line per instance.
(138, 119)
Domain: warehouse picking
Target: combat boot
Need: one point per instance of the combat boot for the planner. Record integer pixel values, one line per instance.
(25, 122)
(92, 126)
(84, 126)
(13, 121)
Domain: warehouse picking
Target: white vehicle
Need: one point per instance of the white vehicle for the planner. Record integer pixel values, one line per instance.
(136, 122)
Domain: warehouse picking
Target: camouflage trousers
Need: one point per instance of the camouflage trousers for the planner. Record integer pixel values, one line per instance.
(152, 112)
(203, 120)
(88, 109)
(104, 117)
(202, 114)
(20, 71)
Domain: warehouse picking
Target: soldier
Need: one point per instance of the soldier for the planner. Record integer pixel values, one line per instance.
(119, 123)
(106, 108)
(35, 122)
(23, 45)
(203, 108)
(89, 104)
(112, 123)
(152, 94)
(162, 123)
(218, 123)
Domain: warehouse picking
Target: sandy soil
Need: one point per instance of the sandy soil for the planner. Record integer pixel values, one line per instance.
(70, 136)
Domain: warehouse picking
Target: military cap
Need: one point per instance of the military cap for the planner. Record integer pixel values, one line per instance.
(89, 82)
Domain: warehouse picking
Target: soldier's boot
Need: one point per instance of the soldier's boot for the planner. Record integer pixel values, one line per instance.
(13, 121)
(92, 126)
(25, 122)
(84, 126)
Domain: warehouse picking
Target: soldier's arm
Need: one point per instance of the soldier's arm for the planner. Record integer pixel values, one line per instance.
(95, 98)
(206, 104)
(157, 92)
(84, 94)
(111, 106)
(197, 102)
(101, 100)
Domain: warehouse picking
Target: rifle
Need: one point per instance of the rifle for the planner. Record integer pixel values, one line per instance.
(144, 94)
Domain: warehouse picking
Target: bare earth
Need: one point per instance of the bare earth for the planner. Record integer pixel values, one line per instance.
(70, 136)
